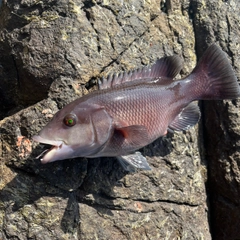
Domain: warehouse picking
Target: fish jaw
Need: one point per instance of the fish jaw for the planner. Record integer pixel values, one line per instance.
(40, 139)
(58, 151)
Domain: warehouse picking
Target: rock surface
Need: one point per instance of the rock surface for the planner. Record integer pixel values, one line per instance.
(51, 53)
(219, 21)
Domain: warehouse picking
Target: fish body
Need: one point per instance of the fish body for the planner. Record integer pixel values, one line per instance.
(131, 110)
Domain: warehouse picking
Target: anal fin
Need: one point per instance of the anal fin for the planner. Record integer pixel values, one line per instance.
(187, 118)
(134, 161)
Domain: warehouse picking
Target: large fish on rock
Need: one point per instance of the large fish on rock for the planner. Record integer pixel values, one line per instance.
(131, 110)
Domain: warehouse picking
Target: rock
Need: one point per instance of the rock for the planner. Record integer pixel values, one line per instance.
(219, 21)
(53, 52)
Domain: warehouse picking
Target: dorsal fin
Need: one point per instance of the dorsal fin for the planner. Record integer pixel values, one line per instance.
(167, 67)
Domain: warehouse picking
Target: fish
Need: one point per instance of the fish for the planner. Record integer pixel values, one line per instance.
(132, 109)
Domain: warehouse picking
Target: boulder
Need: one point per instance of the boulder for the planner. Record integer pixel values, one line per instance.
(52, 52)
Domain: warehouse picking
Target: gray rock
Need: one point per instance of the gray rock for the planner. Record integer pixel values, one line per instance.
(219, 21)
(51, 53)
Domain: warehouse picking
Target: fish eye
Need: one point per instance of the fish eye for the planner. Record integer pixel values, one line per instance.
(70, 120)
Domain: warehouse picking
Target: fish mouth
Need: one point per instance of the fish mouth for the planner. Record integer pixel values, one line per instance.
(48, 153)
(39, 139)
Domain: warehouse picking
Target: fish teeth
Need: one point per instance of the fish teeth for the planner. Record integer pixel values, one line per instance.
(40, 155)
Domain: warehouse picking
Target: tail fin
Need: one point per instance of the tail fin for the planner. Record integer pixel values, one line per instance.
(214, 76)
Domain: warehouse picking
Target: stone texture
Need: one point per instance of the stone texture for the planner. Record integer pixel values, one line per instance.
(51, 53)
(218, 21)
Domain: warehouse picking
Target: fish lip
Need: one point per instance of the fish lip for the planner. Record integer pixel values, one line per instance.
(39, 139)
(54, 145)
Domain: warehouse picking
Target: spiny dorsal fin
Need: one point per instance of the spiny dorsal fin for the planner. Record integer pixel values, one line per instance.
(187, 118)
(167, 67)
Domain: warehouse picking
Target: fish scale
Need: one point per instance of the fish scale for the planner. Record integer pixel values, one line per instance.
(144, 112)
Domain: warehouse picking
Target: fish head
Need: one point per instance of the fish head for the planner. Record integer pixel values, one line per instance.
(75, 132)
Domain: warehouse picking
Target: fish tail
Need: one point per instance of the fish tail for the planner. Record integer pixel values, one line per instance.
(214, 76)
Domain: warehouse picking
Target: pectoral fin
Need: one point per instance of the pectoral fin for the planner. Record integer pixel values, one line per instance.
(135, 135)
(133, 161)
(187, 118)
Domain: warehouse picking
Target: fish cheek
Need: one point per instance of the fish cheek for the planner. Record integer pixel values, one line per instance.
(92, 130)
(102, 125)
(81, 135)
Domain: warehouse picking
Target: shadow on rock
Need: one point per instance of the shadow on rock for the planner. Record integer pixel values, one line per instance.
(65, 184)
(59, 180)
